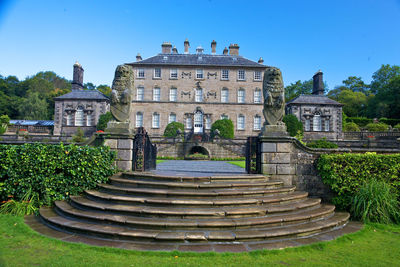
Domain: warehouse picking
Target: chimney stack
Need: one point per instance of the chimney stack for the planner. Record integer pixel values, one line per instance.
(174, 50)
(166, 48)
(225, 51)
(138, 57)
(186, 45)
(77, 80)
(318, 84)
(234, 49)
(213, 47)
(261, 60)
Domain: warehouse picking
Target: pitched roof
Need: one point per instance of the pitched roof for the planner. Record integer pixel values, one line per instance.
(313, 99)
(83, 94)
(198, 60)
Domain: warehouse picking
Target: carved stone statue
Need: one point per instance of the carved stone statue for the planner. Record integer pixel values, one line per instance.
(274, 102)
(121, 97)
(121, 94)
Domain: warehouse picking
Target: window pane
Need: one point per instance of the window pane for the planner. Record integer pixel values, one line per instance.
(240, 124)
(257, 123)
(174, 73)
(257, 96)
(188, 123)
(307, 125)
(327, 125)
(257, 75)
(225, 74)
(241, 96)
(199, 95)
(172, 118)
(79, 117)
(172, 94)
(224, 95)
(241, 74)
(223, 117)
(317, 123)
(89, 120)
(199, 74)
(156, 120)
(208, 123)
(140, 94)
(140, 73)
(156, 94)
(69, 120)
(139, 119)
(157, 73)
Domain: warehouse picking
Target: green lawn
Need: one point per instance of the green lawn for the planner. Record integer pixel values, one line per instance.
(240, 163)
(375, 245)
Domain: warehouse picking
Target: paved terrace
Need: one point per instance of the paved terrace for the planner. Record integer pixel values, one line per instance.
(198, 168)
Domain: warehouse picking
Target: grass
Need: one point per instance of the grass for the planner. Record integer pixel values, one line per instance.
(375, 245)
(240, 163)
(159, 161)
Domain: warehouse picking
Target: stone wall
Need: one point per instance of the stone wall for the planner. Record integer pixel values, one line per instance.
(123, 145)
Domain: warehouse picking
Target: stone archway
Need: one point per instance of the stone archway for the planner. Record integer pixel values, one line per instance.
(200, 150)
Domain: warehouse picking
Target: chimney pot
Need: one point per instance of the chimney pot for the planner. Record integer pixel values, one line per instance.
(234, 49)
(186, 45)
(261, 60)
(138, 57)
(166, 48)
(318, 83)
(213, 47)
(225, 51)
(174, 50)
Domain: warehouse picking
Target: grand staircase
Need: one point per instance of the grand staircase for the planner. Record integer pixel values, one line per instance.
(157, 210)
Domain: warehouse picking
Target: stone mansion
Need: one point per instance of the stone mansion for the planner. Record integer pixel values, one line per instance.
(197, 89)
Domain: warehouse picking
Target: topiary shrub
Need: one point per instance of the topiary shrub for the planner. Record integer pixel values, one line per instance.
(322, 143)
(377, 127)
(172, 129)
(376, 201)
(52, 172)
(225, 128)
(103, 120)
(293, 124)
(351, 127)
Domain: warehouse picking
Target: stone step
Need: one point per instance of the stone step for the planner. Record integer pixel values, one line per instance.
(168, 211)
(125, 233)
(225, 178)
(196, 193)
(161, 223)
(136, 182)
(205, 202)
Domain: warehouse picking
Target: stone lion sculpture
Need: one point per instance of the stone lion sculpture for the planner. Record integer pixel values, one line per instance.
(121, 94)
(274, 96)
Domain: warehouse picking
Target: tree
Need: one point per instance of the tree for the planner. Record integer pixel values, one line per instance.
(172, 129)
(293, 124)
(105, 89)
(356, 84)
(354, 102)
(225, 128)
(382, 77)
(89, 86)
(298, 88)
(33, 107)
(103, 120)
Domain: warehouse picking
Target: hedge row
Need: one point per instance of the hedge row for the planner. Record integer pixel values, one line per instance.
(346, 173)
(52, 172)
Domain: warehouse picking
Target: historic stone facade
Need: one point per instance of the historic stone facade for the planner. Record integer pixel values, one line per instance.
(320, 115)
(197, 89)
(79, 108)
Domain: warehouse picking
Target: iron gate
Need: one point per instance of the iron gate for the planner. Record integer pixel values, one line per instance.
(253, 155)
(144, 152)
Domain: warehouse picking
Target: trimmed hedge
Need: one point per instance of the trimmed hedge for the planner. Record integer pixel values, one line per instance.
(360, 121)
(294, 126)
(377, 127)
(391, 122)
(322, 143)
(351, 127)
(346, 173)
(52, 172)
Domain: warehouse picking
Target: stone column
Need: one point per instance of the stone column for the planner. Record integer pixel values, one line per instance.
(123, 145)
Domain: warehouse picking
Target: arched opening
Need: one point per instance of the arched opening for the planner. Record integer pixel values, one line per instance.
(198, 153)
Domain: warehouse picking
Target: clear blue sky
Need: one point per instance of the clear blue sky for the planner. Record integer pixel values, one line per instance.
(341, 38)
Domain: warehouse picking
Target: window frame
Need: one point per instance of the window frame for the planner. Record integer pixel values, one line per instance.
(156, 70)
(81, 117)
(258, 99)
(155, 121)
(173, 74)
(198, 95)
(257, 122)
(155, 89)
(139, 114)
(173, 97)
(317, 123)
(188, 122)
(241, 98)
(224, 98)
(140, 71)
(199, 72)
(241, 121)
(257, 73)
(170, 116)
(227, 74)
(140, 89)
(240, 73)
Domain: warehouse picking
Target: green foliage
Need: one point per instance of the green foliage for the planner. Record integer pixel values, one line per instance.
(79, 136)
(52, 172)
(377, 127)
(351, 127)
(376, 202)
(4, 121)
(172, 129)
(354, 102)
(33, 107)
(346, 173)
(225, 128)
(397, 126)
(360, 121)
(293, 124)
(103, 120)
(391, 122)
(322, 143)
(28, 205)
(197, 156)
(105, 89)
(298, 88)
(382, 77)
(356, 84)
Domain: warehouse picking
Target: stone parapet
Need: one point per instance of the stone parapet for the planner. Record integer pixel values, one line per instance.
(123, 145)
